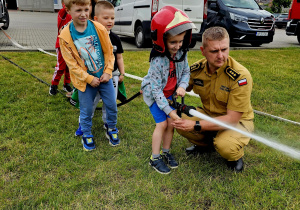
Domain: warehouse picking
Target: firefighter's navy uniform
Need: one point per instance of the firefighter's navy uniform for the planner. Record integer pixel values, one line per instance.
(228, 88)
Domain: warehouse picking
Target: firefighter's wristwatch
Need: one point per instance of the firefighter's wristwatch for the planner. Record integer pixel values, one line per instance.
(197, 126)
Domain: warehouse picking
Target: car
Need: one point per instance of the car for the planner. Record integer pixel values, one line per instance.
(133, 17)
(245, 21)
(4, 16)
(281, 20)
(276, 14)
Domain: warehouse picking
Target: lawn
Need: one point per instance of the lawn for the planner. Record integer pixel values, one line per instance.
(43, 165)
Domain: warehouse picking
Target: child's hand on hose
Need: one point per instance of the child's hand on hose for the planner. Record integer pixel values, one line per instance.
(180, 92)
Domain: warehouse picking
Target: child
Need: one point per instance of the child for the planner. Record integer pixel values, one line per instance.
(105, 14)
(168, 73)
(61, 68)
(88, 52)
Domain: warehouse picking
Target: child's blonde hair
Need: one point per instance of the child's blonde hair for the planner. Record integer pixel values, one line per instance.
(69, 3)
(103, 5)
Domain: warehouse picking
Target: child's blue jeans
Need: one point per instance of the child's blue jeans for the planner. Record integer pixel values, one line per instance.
(86, 101)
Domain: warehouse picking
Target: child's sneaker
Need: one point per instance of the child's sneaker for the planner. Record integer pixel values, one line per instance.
(112, 135)
(67, 88)
(170, 160)
(88, 142)
(78, 132)
(159, 165)
(53, 90)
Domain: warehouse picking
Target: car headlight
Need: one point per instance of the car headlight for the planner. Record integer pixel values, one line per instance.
(288, 23)
(238, 18)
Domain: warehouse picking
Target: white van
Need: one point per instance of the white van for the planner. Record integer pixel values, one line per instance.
(133, 17)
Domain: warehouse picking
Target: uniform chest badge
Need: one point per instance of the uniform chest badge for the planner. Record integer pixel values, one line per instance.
(224, 88)
(199, 82)
(242, 82)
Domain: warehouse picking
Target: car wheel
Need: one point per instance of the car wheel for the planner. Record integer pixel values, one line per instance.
(298, 37)
(279, 26)
(193, 43)
(6, 16)
(256, 44)
(139, 37)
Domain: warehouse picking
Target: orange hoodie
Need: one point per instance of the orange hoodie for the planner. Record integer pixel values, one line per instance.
(78, 71)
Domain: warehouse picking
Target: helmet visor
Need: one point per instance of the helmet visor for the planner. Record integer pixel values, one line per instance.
(181, 28)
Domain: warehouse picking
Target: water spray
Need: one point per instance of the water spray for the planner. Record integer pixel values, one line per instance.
(191, 111)
(281, 147)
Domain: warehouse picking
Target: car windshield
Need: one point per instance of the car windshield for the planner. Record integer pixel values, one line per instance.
(247, 4)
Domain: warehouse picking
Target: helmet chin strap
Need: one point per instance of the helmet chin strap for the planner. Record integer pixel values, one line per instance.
(167, 53)
(155, 53)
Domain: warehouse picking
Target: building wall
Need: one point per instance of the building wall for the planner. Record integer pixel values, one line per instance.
(36, 5)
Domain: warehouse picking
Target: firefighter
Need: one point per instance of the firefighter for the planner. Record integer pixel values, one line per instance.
(224, 86)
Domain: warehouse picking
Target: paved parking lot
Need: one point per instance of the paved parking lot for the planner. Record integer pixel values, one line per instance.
(32, 30)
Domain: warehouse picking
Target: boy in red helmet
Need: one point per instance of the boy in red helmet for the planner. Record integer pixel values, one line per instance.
(169, 72)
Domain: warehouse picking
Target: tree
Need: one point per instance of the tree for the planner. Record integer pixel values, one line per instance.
(278, 4)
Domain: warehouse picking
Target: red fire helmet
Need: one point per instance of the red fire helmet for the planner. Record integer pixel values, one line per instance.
(172, 20)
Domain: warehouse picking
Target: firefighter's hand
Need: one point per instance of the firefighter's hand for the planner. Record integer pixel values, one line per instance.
(184, 124)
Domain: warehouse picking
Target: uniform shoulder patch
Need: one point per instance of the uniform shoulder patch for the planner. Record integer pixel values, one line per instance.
(196, 66)
(243, 82)
(232, 73)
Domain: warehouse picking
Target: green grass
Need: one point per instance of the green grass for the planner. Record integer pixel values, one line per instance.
(43, 165)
